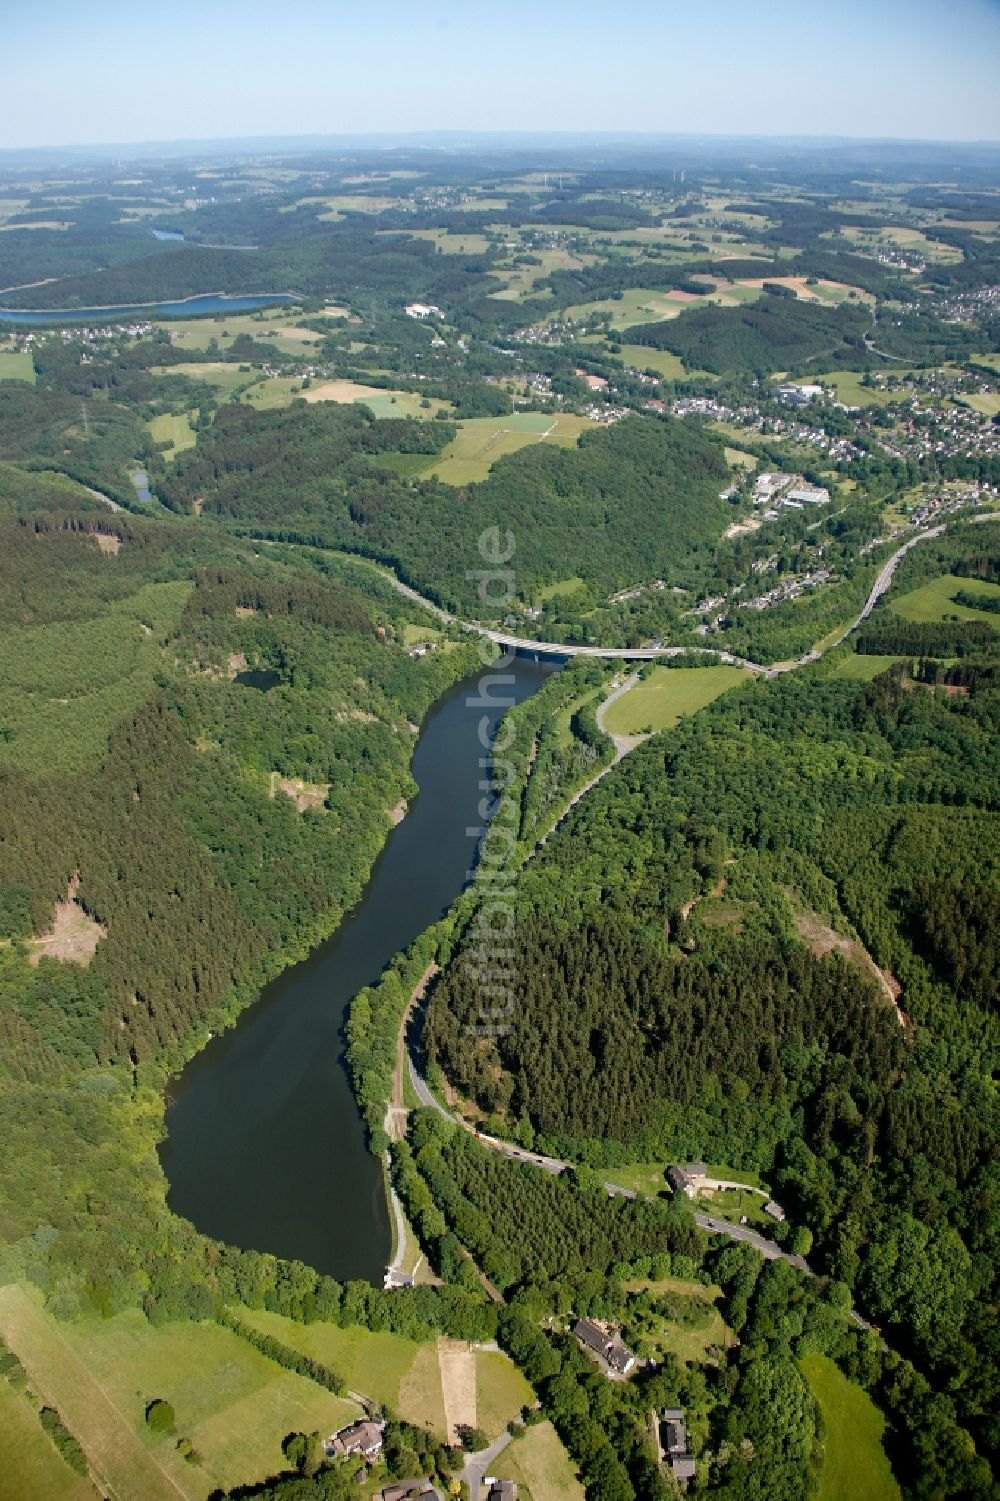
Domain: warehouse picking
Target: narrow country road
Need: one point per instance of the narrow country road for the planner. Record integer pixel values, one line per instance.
(478, 1465)
(769, 1249)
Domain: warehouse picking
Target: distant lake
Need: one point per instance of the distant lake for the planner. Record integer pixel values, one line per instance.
(189, 307)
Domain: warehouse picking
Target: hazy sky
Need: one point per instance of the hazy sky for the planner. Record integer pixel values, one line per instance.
(82, 71)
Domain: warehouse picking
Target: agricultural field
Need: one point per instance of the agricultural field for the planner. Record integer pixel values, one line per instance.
(666, 695)
(848, 389)
(538, 1462)
(862, 669)
(173, 428)
(855, 1465)
(386, 1367)
(936, 600)
(225, 378)
(270, 326)
(32, 1468)
(480, 441)
(17, 364)
(383, 403)
(987, 402)
(447, 242)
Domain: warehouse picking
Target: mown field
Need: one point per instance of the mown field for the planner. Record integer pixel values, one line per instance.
(232, 1403)
(661, 699)
(936, 600)
(482, 440)
(855, 1465)
(32, 1468)
(17, 364)
(539, 1464)
(402, 1373)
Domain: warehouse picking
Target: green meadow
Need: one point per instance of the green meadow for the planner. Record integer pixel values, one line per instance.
(855, 1465)
(480, 441)
(32, 1468)
(666, 695)
(17, 364)
(936, 600)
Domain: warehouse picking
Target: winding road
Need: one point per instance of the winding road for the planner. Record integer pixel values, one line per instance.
(563, 649)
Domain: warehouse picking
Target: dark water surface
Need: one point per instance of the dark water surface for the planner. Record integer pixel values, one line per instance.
(187, 307)
(261, 678)
(265, 1146)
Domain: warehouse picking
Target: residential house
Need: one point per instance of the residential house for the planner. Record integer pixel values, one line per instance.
(606, 1344)
(674, 1445)
(419, 1489)
(687, 1179)
(363, 1437)
(501, 1490)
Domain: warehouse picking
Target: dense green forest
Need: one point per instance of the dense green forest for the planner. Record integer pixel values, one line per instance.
(778, 333)
(176, 789)
(672, 1001)
(641, 495)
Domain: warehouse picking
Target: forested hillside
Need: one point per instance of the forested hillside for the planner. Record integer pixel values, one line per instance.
(139, 801)
(641, 495)
(768, 939)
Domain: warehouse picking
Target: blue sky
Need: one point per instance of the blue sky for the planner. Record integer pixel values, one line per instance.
(134, 70)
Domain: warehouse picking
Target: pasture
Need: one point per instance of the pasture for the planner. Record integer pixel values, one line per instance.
(848, 388)
(900, 237)
(404, 1373)
(987, 402)
(446, 241)
(17, 364)
(31, 1468)
(173, 428)
(936, 600)
(537, 1461)
(224, 377)
(855, 1465)
(480, 441)
(383, 403)
(862, 669)
(703, 1330)
(521, 281)
(271, 326)
(386, 1367)
(658, 701)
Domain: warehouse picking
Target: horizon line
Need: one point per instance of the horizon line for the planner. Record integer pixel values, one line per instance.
(386, 139)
